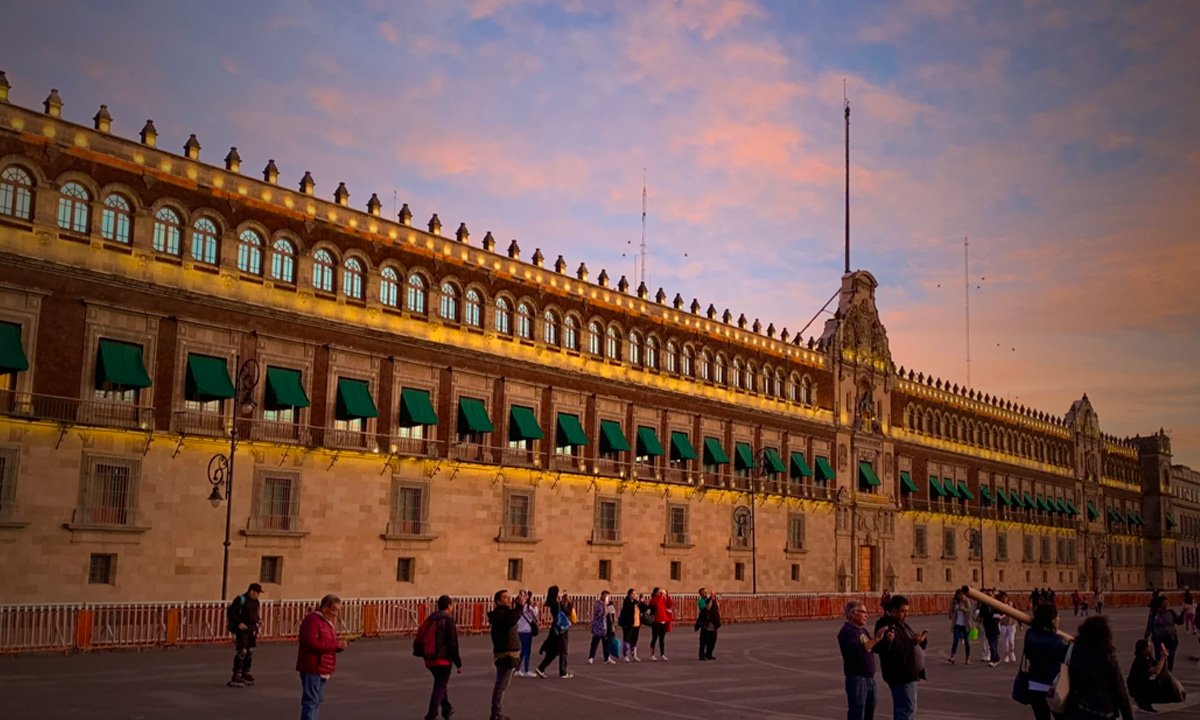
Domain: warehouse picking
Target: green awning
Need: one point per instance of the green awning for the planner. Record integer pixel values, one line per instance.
(1093, 513)
(473, 416)
(936, 486)
(416, 409)
(964, 491)
(1002, 496)
(207, 379)
(799, 467)
(986, 494)
(866, 474)
(951, 488)
(612, 440)
(12, 355)
(1041, 501)
(1071, 507)
(569, 431)
(1170, 520)
(1016, 499)
(1117, 515)
(119, 365)
(714, 454)
(681, 446)
(1058, 506)
(1029, 503)
(1136, 518)
(354, 400)
(647, 442)
(523, 424)
(774, 462)
(824, 472)
(284, 390)
(743, 457)
(906, 482)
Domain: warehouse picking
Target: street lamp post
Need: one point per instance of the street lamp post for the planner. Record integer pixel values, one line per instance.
(220, 467)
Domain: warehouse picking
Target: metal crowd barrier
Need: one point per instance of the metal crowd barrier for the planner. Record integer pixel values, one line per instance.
(82, 627)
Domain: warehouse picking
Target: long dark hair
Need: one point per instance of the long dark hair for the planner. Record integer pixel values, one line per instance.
(1043, 617)
(1095, 637)
(552, 596)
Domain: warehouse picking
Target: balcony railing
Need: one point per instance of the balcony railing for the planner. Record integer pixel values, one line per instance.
(473, 453)
(416, 447)
(197, 422)
(76, 411)
(566, 463)
(519, 457)
(609, 467)
(345, 439)
(277, 431)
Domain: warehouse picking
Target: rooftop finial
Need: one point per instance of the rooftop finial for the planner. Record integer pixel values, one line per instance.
(233, 161)
(341, 195)
(53, 104)
(462, 234)
(149, 134)
(660, 297)
(102, 120)
(435, 225)
(603, 278)
(4, 87)
(374, 205)
(623, 284)
(489, 242)
(307, 184)
(560, 265)
(514, 250)
(405, 215)
(270, 172)
(538, 259)
(582, 272)
(191, 148)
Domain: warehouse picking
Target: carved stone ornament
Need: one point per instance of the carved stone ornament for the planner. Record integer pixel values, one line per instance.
(843, 457)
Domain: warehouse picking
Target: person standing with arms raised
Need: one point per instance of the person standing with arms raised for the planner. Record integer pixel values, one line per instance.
(662, 612)
(858, 660)
(708, 622)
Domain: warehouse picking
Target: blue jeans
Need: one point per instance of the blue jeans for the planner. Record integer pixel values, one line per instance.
(904, 701)
(313, 687)
(860, 698)
(526, 651)
(961, 632)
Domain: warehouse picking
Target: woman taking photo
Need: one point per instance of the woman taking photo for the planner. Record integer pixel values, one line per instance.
(526, 627)
(1045, 651)
(1097, 687)
(662, 612)
(1160, 629)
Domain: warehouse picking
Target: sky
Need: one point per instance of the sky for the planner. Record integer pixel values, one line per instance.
(1061, 138)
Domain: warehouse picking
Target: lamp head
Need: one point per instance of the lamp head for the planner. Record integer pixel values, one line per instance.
(215, 496)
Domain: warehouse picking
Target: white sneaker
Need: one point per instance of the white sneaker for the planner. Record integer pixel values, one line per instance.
(652, 658)
(610, 661)
(589, 661)
(663, 658)
(627, 659)
(636, 658)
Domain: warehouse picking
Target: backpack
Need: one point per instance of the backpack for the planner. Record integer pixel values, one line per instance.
(233, 613)
(425, 644)
(562, 623)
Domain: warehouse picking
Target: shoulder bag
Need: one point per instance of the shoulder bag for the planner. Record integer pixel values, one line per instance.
(1020, 690)
(1061, 687)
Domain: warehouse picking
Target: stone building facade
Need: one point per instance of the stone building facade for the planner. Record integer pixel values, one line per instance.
(418, 413)
(1185, 523)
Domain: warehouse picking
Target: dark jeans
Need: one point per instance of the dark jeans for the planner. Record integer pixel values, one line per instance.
(312, 695)
(860, 698)
(441, 691)
(602, 641)
(1041, 707)
(904, 701)
(993, 636)
(556, 650)
(658, 634)
(504, 673)
(629, 639)
(961, 632)
(244, 656)
(708, 642)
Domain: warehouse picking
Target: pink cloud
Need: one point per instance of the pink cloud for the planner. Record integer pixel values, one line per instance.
(389, 32)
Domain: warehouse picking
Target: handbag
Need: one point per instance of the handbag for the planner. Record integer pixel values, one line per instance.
(1057, 697)
(974, 634)
(1020, 690)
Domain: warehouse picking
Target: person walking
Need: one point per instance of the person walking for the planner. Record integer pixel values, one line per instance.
(527, 628)
(662, 612)
(885, 601)
(858, 660)
(242, 615)
(602, 630)
(1097, 686)
(555, 644)
(1008, 633)
(989, 619)
(1085, 605)
(1160, 630)
(1189, 612)
(708, 622)
(437, 638)
(316, 657)
(902, 657)
(1044, 652)
(630, 621)
(506, 644)
(1076, 600)
(1099, 597)
(960, 625)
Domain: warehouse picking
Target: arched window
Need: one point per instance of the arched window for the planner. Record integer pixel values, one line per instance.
(613, 346)
(167, 231)
(778, 389)
(389, 287)
(651, 353)
(116, 219)
(16, 193)
(705, 366)
(283, 261)
(204, 241)
(806, 391)
(352, 278)
(249, 258)
(503, 319)
(416, 294)
(525, 321)
(671, 357)
(473, 309)
(749, 378)
(635, 349)
(719, 370)
(685, 364)
(735, 377)
(449, 305)
(74, 208)
(595, 337)
(792, 388)
(323, 266)
(550, 328)
(571, 333)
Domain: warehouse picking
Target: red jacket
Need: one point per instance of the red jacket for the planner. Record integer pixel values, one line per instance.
(664, 609)
(318, 646)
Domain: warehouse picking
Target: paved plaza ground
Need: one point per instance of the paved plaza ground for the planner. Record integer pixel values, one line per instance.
(778, 670)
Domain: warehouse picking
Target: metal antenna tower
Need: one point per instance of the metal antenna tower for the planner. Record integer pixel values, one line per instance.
(967, 291)
(642, 277)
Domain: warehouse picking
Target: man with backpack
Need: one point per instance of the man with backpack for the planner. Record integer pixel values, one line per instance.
(242, 617)
(506, 644)
(437, 643)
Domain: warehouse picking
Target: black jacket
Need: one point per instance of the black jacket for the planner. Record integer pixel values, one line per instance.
(1045, 650)
(504, 628)
(899, 656)
(243, 611)
(628, 608)
(709, 615)
(1097, 687)
(445, 639)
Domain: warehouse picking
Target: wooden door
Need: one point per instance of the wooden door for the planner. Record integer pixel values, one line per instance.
(866, 568)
